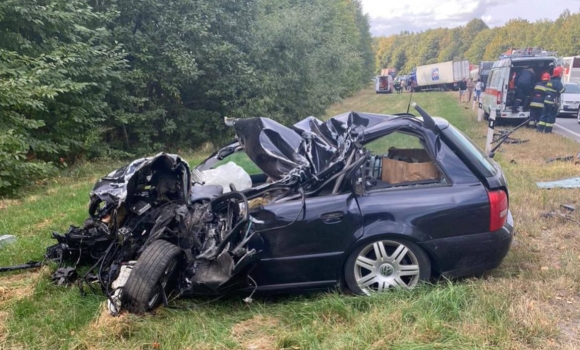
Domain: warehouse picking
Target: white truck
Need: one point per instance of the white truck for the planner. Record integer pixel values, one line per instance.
(442, 76)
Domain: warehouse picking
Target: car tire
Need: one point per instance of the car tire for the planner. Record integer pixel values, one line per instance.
(485, 116)
(155, 269)
(383, 263)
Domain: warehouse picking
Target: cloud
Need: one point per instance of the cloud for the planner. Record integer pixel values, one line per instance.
(389, 18)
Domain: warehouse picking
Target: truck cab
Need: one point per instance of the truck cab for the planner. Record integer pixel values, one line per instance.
(499, 95)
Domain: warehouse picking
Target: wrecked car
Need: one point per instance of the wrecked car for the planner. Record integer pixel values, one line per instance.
(361, 201)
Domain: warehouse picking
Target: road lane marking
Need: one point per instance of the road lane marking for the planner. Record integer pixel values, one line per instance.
(568, 131)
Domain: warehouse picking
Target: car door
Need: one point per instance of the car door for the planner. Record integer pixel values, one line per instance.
(302, 243)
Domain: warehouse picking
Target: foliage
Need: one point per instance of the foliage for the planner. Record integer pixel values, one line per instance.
(476, 42)
(85, 79)
(56, 65)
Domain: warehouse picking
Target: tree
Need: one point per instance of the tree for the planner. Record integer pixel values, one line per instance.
(56, 65)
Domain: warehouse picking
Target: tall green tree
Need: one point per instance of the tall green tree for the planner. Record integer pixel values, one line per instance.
(56, 66)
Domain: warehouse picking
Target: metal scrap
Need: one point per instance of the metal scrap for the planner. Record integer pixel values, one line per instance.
(564, 183)
(561, 159)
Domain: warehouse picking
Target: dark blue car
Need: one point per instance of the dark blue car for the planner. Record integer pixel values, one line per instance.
(361, 201)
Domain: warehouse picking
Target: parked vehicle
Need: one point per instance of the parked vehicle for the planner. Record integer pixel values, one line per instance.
(442, 76)
(384, 84)
(499, 94)
(571, 69)
(484, 70)
(570, 100)
(364, 202)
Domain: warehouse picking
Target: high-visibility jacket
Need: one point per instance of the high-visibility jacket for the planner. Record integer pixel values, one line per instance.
(538, 95)
(553, 90)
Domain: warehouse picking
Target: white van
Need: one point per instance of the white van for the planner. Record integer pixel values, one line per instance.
(384, 84)
(499, 94)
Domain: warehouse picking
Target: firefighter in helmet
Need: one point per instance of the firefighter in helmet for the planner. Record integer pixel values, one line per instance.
(538, 95)
(551, 101)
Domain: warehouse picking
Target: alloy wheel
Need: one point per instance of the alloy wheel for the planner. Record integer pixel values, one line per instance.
(386, 264)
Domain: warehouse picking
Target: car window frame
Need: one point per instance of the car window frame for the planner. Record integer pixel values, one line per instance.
(444, 181)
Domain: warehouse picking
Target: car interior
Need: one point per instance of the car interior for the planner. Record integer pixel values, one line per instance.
(397, 159)
(539, 67)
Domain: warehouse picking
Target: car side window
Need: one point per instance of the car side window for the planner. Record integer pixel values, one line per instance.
(400, 159)
(489, 81)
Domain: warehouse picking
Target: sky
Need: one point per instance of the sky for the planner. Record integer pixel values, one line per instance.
(393, 16)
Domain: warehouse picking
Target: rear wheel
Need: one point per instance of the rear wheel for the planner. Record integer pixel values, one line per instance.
(384, 264)
(153, 275)
(485, 116)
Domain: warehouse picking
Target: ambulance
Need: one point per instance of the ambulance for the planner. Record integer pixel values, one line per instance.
(499, 95)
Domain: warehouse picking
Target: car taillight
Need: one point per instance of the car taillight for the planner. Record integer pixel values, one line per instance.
(498, 97)
(498, 209)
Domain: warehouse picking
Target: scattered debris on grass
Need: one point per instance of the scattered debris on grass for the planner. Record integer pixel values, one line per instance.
(564, 183)
(560, 159)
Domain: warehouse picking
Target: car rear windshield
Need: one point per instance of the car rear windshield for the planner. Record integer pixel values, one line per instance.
(475, 155)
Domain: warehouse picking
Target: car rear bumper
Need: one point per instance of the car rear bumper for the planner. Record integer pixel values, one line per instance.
(568, 112)
(472, 254)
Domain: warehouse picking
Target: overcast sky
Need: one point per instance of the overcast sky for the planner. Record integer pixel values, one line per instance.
(393, 16)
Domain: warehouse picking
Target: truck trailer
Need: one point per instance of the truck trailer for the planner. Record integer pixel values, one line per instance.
(442, 76)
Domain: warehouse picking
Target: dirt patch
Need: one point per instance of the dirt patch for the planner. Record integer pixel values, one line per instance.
(43, 224)
(7, 203)
(106, 326)
(16, 287)
(256, 333)
(3, 331)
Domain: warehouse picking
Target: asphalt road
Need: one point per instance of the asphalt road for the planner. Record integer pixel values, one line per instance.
(568, 127)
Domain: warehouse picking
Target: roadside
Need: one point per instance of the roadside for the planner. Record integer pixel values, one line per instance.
(568, 127)
(530, 301)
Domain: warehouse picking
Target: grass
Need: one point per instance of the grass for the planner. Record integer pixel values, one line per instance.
(529, 302)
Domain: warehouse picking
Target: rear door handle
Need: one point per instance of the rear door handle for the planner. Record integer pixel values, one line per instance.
(333, 217)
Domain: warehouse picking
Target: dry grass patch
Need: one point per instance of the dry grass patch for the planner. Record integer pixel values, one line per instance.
(256, 333)
(18, 286)
(106, 327)
(7, 203)
(544, 298)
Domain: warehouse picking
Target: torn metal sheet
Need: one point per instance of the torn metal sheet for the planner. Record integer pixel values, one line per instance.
(564, 183)
(310, 147)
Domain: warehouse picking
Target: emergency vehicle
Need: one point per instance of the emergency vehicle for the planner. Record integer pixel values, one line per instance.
(499, 94)
(571, 69)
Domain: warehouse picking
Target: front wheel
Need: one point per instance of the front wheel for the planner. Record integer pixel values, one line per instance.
(153, 274)
(384, 264)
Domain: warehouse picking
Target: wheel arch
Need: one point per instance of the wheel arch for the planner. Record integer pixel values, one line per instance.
(386, 235)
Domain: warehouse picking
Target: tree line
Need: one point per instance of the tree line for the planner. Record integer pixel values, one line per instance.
(477, 42)
(84, 79)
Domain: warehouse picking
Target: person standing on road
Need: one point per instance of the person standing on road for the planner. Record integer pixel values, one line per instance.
(462, 87)
(524, 86)
(470, 87)
(478, 88)
(537, 104)
(554, 89)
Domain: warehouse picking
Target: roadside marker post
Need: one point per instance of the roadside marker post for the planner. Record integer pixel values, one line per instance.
(480, 111)
(490, 127)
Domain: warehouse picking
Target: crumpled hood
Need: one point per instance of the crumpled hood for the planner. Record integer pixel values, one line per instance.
(115, 187)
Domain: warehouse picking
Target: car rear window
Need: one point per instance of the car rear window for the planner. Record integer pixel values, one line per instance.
(475, 155)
